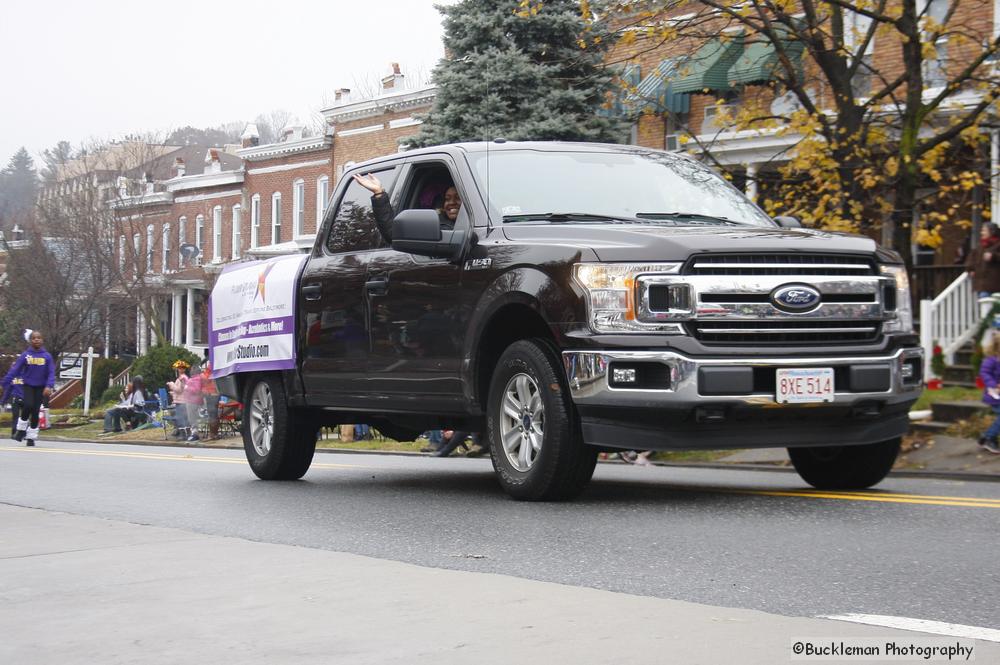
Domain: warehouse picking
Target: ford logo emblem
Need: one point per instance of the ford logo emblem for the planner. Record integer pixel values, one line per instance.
(795, 297)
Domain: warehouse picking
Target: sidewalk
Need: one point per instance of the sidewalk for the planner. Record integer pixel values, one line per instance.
(80, 589)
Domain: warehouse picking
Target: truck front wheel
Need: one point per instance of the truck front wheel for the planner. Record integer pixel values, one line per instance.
(535, 443)
(279, 443)
(845, 467)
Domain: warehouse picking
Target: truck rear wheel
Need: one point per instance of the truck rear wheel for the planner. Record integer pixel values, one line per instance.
(845, 467)
(535, 443)
(279, 443)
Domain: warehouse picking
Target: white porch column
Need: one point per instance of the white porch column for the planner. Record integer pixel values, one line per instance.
(176, 315)
(995, 172)
(153, 323)
(189, 328)
(751, 186)
(142, 331)
(107, 332)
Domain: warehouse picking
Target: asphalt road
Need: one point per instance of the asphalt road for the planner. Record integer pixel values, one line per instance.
(925, 549)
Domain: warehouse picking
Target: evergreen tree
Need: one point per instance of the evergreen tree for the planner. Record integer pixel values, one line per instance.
(55, 158)
(18, 186)
(520, 74)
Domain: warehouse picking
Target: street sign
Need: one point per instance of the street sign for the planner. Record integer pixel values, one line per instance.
(71, 366)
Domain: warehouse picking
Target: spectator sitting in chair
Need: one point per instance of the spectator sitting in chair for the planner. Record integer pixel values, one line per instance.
(133, 401)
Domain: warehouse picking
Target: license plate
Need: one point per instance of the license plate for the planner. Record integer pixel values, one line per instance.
(798, 386)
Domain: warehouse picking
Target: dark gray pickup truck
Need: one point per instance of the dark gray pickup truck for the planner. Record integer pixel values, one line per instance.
(588, 298)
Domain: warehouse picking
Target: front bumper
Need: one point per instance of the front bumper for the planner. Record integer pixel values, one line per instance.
(730, 402)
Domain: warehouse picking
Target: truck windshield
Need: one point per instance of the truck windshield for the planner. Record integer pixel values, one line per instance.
(635, 187)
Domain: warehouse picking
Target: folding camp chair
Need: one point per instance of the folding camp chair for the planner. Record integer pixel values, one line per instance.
(167, 412)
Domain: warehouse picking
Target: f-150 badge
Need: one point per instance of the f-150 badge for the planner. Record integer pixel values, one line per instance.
(478, 264)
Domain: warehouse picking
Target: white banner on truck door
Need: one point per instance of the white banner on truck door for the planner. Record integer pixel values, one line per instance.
(251, 316)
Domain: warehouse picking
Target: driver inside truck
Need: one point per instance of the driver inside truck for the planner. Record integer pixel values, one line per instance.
(447, 206)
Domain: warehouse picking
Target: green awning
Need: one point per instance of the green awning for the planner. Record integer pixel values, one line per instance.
(656, 94)
(629, 76)
(708, 67)
(760, 62)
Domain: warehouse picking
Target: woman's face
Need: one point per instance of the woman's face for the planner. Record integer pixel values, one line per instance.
(984, 232)
(452, 202)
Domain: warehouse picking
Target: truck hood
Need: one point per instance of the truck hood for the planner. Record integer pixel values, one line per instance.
(662, 242)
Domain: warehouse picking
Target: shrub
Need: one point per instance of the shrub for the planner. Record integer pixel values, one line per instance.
(110, 394)
(156, 366)
(104, 370)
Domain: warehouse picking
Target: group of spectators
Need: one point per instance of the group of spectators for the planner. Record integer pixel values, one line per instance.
(189, 393)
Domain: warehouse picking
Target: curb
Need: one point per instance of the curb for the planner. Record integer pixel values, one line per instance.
(900, 473)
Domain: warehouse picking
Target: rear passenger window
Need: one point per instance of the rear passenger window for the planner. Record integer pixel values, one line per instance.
(354, 228)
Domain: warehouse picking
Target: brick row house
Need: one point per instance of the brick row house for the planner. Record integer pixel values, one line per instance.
(241, 203)
(679, 93)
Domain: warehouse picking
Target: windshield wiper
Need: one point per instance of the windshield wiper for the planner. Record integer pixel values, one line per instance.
(688, 217)
(569, 217)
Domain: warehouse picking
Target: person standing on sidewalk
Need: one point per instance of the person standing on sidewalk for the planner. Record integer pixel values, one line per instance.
(983, 262)
(13, 392)
(37, 370)
(989, 372)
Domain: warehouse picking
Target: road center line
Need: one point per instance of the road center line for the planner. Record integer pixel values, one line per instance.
(920, 499)
(920, 626)
(160, 456)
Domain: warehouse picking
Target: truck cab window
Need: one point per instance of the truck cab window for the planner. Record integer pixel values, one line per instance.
(353, 227)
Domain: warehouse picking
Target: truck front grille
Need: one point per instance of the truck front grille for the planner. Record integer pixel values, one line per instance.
(780, 264)
(784, 332)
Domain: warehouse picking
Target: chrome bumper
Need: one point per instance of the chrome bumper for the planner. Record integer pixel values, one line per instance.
(587, 372)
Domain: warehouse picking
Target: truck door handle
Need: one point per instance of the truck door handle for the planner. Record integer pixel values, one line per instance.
(378, 286)
(312, 291)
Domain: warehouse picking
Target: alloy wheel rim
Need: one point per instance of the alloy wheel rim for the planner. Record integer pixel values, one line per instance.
(262, 419)
(522, 422)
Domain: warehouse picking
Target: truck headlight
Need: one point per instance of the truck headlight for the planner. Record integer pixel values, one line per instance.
(611, 295)
(902, 318)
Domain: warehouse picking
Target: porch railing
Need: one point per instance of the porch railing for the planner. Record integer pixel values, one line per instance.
(950, 319)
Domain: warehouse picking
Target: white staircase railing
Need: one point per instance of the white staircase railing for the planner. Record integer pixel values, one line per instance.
(950, 320)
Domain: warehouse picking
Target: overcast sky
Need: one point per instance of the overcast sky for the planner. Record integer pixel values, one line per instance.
(99, 69)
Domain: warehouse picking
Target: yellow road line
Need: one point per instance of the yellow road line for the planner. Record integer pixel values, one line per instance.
(919, 499)
(960, 501)
(159, 456)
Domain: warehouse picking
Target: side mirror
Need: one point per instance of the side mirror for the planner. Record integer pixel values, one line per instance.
(419, 232)
(788, 222)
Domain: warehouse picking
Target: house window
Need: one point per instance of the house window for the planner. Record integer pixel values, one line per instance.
(181, 239)
(856, 27)
(323, 194)
(165, 259)
(149, 248)
(672, 128)
(216, 234)
(254, 221)
(136, 250)
(275, 218)
(121, 252)
(237, 238)
(299, 207)
(199, 234)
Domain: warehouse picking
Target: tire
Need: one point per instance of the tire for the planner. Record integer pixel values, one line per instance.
(845, 467)
(279, 443)
(545, 458)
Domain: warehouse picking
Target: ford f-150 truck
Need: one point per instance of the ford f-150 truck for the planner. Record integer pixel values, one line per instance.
(588, 297)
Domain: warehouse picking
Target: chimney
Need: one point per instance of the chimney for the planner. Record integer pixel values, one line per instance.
(292, 133)
(250, 137)
(212, 163)
(395, 80)
(342, 95)
(179, 168)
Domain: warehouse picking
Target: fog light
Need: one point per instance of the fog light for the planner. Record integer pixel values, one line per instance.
(623, 375)
(907, 371)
